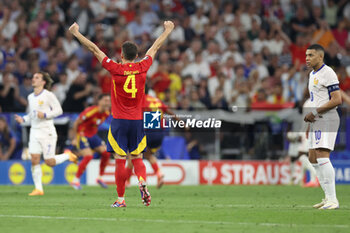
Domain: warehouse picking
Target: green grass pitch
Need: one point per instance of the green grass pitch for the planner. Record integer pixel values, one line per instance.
(173, 209)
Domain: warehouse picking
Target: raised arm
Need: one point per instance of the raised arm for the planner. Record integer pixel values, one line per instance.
(74, 29)
(168, 28)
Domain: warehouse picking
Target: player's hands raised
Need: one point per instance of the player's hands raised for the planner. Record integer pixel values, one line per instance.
(169, 25)
(74, 28)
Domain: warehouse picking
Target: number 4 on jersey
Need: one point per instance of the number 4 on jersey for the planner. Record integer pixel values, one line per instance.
(133, 89)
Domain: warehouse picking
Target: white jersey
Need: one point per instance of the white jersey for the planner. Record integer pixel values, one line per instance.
(321, 83)
(323, 132)
(47, 103)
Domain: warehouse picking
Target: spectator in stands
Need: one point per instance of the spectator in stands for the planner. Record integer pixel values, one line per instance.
(240, 95)
(195, 102)
(61, 88)
(218, 100)
(7, 140)
(24, 90)
(77, 94)
(300, 24)
(8, 92)
(192, 146)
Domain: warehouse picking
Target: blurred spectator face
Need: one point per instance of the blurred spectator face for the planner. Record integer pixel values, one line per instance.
(278, 90)
(188, 81)
(164, 57)
(239, 71)
(33, 28)
(300, 13)
(261, 95)
(196, 46)
(81, 79)
(194, 95)
(163, 68)
(317, 11)
(248, 58)
(230, 62)
(185, 103)
(198, 58)
(27, 81)
(44, 43)
(262, 35)
(105, 103)
(73, 64)
(22, 66)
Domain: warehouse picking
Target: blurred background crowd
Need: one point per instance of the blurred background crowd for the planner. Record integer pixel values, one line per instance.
(245, 53)
(221, 53)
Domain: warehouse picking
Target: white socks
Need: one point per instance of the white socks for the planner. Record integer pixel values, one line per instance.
(319, 176)
(308, 166)
(120, 199)
(37, 174)
(61, 158)
(327, 171)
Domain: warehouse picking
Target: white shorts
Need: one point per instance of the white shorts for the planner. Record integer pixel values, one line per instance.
(323, 133)
(293, 149)
(41, 142)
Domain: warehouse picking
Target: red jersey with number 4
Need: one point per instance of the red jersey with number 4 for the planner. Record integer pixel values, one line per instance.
(127, 87)
(91, 118)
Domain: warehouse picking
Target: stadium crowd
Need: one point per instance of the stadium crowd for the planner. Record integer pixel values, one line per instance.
(245, 53)
(221, 53)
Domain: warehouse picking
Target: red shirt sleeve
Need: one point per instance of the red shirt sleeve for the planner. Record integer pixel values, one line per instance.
(110, 65)
(145, 63)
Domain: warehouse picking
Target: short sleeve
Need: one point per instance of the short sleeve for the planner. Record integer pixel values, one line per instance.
(145, 63)
(110, 65)
(330, 78)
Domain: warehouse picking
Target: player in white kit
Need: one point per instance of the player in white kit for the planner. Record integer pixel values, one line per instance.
(43, 107)
(324, 122)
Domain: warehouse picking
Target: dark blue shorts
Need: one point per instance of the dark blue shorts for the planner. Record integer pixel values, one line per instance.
(154, 139)
(126, 136)
(89, 142)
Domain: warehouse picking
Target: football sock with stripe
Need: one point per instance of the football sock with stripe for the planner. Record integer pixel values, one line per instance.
(139, 169)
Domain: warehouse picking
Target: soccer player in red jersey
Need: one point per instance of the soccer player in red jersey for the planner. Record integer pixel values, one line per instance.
(126, 134)
(154, 137)
(85, 128)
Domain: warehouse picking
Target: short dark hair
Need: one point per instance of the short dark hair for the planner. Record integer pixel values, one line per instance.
(102, 95)
(129, 50)
(47, 78)
(316, 47)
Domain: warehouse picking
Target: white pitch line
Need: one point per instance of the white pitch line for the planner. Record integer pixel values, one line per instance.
(260, 206)
(176, 221)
